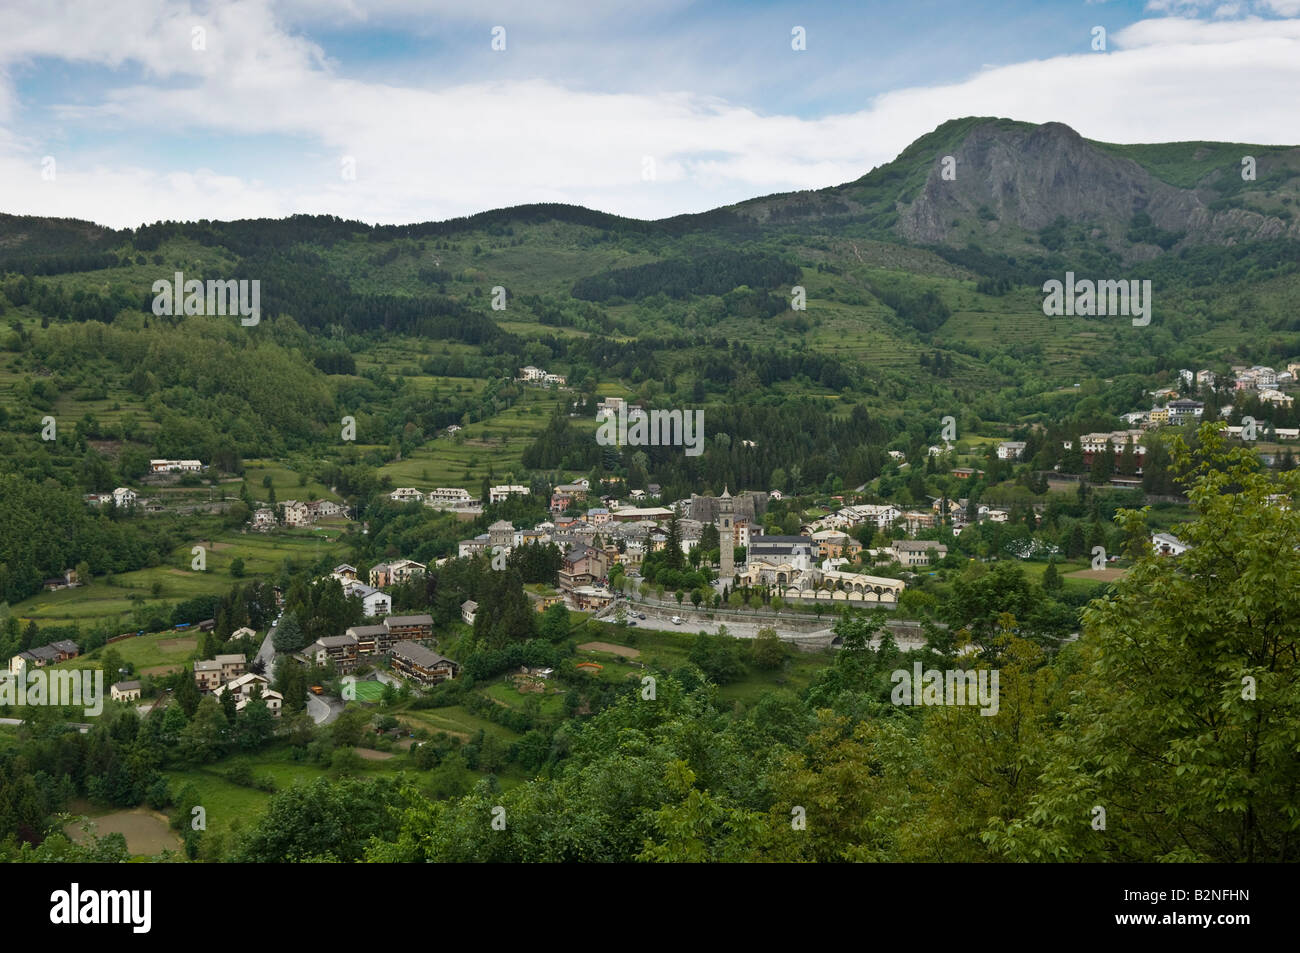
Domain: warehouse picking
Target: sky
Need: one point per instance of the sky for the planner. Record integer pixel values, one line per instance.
(127, 112)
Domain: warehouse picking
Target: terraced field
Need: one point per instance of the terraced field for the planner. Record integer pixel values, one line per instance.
(116, 599)
(496, 444)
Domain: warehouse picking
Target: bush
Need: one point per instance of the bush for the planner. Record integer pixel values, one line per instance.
(159, 795)
(345, 761)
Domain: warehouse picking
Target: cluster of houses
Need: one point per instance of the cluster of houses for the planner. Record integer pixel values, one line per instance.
(296, 513)
(811, 566)
(567, 497)
(456, 499)
(595, 540)
(885, 516)
(226, 674)
(1265, 380)
(44, 655)
(374, 601)
(616, 408)
(1092, 444)
(398, 637)
(535, 375)
(1256, 377)
(122, 498)
(1171, 409)
(175, 466)
(452, 498)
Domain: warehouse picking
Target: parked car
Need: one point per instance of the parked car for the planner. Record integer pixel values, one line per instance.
(678, 620)
(640, 615)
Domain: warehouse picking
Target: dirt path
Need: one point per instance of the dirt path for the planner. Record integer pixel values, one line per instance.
(611, 648)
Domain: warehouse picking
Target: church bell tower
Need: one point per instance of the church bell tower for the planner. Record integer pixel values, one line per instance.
(726, 538)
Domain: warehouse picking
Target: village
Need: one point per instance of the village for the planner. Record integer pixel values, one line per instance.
(849, 551)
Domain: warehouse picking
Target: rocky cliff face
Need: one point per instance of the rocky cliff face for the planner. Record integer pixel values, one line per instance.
(1026, 177)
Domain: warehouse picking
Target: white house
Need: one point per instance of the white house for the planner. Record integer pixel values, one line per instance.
(373, 601)
(1267, 396)
(124, 496)
(1265, 377)
(296, 513)
(918, 552)
(499, 494)
(881, 515)
(609, 407)
(175, 466)
(1167, 544)
(242, 688)
(406, 494)
(577, 486)
(320, 508)
(125, 691)
(1011, 449)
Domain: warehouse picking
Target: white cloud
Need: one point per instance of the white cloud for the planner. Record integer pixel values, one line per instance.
(428, 153)
(1285, 8)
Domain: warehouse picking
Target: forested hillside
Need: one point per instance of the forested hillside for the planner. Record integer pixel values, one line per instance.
(873, 343)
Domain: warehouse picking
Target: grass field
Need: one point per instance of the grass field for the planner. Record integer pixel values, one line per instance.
(550, 702)
(454, 720)
(115, 599)
(1077, 575)
(369, 691)
(494, 445)
(227, 802)
(145, 651)
(289, 485)
(664, 651)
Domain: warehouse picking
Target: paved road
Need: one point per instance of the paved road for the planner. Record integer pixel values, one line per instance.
(323, 708)
(741, 628)
(266, 654)
(380, 675)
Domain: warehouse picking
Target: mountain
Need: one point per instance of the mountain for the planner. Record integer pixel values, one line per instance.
(902, 268)
(1012, 181)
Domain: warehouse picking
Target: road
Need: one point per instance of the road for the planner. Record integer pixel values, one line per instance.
(323, 708)
(657, 617)
(380, 675)
(266, 654)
